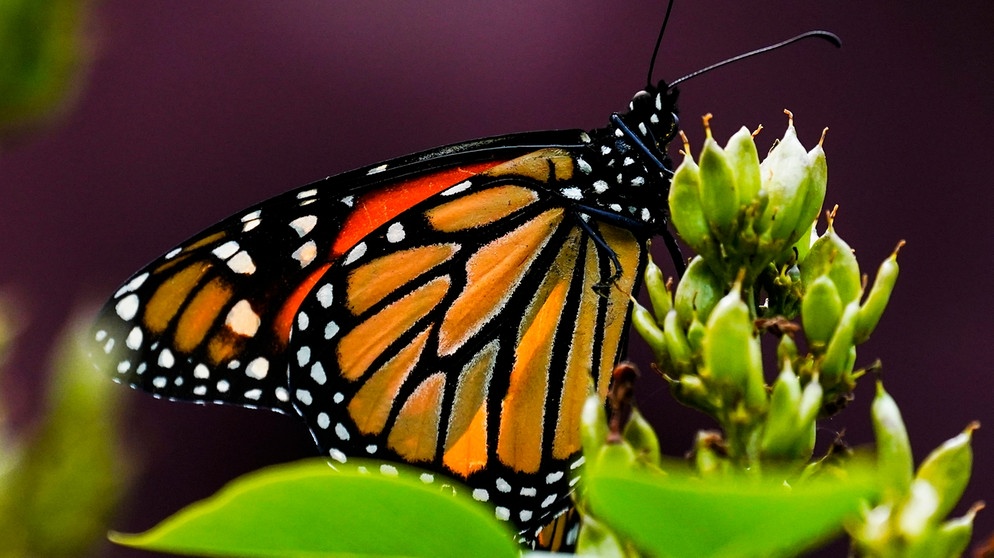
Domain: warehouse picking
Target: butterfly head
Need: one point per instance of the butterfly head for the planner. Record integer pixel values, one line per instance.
(652, 116)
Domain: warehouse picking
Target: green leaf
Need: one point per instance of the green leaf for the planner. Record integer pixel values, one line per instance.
(307, 509)
(678, 515)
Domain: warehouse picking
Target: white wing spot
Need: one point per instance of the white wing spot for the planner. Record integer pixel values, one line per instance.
(123, 366)
(109, 345)
(642, 129)
(338, 397)
(201, 371)
(330, 330)
(628, 161)
(307, 194)
(600, 186)
(529, 491)
(371, 449)
(302, 321)
(481, 495)
(525, 515)
(584, 166)
(304, 396)
(348, 200)
(258, 368)
(325, 295)
(251, 216)
(355, 253)
(127, 307)
(304, 225)
(101, 335)
(200, 391)
(553, 477)
(548, 500)
(341, 431)
(251, 225)
(166, 359)
(502, 513)
(323, 420)
(226, 250)
(427, 478)
(503, 485)
(134, 339)
(376, 170)
(638, 181)
(159, 382)
(578, 463)
(615, 207)
(223, 386)
(646, 215)
(282, 394)
(242, 319)
(654, 118)
(395, 232)
(318, 374)
(303, 355)
(253, 394)
(173, 253)
(453, 190)
(131, 285)
(605, 149)
(572, 193)
(242, 263)
(338, 456)
(306, 253)
(233, 364)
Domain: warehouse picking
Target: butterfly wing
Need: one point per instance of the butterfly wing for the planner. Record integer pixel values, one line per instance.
(464, 336)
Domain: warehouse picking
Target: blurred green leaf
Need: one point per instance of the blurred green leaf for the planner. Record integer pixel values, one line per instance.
(65, 479)
(307, 509)
(679, 515)
(42, 49)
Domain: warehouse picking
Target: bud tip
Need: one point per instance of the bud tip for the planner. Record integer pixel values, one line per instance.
(822, 140)
(790, 117)
(707, 124)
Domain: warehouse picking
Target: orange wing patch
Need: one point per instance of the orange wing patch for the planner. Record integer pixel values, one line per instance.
(163, 304)
(370, 407)
(466, 437)
(370, 283)
(378, 207)
(629, 252)
(414, 435)
(480, 208)
(494, 272)
(363, 344)
(200, 314)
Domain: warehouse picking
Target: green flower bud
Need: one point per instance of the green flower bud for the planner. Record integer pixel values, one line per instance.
(640, 434)
(830, 255)
(786, 349)
(686, 211)
(876, 301)
(953, 536)
(691, 391)
(616, 457)
(779, 434)
(593, 425)
(821, 308)
(740, 151)
(918, 510)
(947, 469)
(659, 294)
(838, 356)
(695, 335)
(697, 293)
(719, 195)
(596, 539)
(647, 328)
(676, 343)
(803, 244)
(893, 447)
(795, 181)
(731, 353)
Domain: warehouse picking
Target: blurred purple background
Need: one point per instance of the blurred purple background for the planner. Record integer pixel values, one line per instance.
(193, 110)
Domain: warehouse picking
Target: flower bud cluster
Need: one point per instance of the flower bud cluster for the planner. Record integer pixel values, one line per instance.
(911, 518)
(752, 224)
(740, 213)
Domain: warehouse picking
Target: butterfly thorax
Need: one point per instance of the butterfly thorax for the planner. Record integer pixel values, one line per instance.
(624, 175)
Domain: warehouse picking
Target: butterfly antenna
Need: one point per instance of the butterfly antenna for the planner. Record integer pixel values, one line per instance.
(659, 41)
(826, 35)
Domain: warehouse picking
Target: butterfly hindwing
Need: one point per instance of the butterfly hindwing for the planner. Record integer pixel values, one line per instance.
(462, 338)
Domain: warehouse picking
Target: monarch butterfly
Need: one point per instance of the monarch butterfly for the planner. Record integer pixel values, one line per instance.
(449, 309)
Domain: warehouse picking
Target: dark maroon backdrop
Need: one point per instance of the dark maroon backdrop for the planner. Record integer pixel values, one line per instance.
(193, 110)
